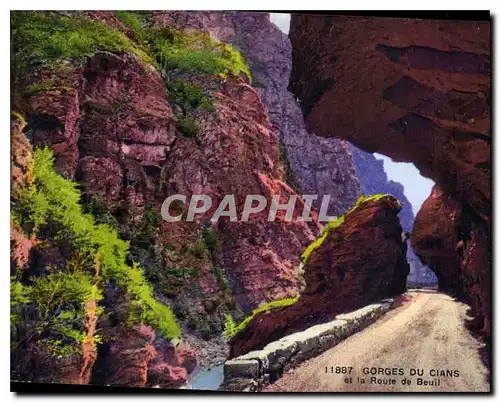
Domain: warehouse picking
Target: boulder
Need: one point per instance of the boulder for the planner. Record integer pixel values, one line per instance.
(358, 261)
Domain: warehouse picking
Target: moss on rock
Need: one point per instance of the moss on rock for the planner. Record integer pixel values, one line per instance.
(41, 39)
(337, 222)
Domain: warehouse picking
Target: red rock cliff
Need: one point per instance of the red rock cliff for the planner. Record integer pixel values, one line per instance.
(116, 127)
(360, 261)
(417, 91)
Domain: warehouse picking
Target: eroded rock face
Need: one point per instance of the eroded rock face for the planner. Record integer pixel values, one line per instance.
(423, 97)
(136, 358)
(237, 153)
(417, 91)
(113, 130)
(453, 242)
(359, 262)
(435, 238)
(124, 150)
(317, 165)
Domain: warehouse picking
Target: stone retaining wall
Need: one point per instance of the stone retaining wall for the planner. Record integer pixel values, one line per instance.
(254, 370)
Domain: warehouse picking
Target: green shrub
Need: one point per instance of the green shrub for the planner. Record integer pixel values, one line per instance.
(180, 50)
(40, 38)
(199, 249)
(188, 127)
(43, 38)
(264, 308)
(136, 21)
(221, 277)
(188, 96)
(151, 218)
(50, 197)
(210, 239)
(19, 296)
(145, 234)
(60, 299)
(52, 293)
(100, 212)
(229, 326)
(172, 279)
(47, 85)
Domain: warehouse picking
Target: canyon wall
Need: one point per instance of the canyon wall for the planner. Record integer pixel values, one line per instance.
(314, 165)
(417, 91)
(131, 131)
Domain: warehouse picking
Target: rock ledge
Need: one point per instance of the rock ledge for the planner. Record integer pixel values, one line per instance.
(254, 370)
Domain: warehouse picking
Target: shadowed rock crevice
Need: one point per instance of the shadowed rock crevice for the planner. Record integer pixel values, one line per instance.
(425, 100)
(425, 58)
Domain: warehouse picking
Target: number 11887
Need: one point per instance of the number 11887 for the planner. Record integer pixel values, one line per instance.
(338, 370)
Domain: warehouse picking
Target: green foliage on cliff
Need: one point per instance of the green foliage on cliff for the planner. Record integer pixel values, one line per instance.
(196, 51)
(287, 170)
(210, 239)
(19, 296)
(47, 86)
(188, 96)
(136, 21)
(229, 326)
(177, 49)
(262, 309)
(336, 223)
(40, 38)
(50, 199)
(95, 207)
(60, 298)
(220, 275)
(188, 127)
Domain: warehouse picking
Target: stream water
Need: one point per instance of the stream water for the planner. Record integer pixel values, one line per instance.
(208, 379)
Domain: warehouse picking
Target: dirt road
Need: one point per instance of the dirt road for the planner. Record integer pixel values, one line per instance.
(426, 333)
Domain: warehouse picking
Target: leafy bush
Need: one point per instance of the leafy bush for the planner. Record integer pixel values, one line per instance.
(221, 277)
(179, 50)
(229, 326)
(50, 197)
(171, 279)
(188, 127)
(47, 86)
(60, 298)
(100, 212)
(175, 49)
(135, 21)
(188, 96)
(199, 249)
(199, 322)
(41, 38)
(19, 296)
(210, 239)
